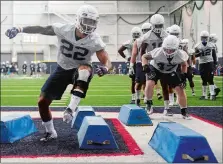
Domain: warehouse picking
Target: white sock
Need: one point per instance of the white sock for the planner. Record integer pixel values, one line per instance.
(171, 97)
(49, 126)
(74, 101)
(211, 88)
(137, 94)
(166, 104)
(157, 91)
(133, 96)
(204, 90)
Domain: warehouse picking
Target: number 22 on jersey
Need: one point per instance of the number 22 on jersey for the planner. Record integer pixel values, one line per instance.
(68, 48)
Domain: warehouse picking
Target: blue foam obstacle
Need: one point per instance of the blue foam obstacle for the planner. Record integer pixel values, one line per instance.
(133, 115)
(95, 133)
(80, 114)
(178, 144)
(15, 127)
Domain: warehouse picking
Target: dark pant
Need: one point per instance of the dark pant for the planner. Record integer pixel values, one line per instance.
(207, 73)
(140, 75)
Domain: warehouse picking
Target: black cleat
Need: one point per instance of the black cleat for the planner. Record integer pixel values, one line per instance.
(217, 90)
(203, 98)
(49, 137)
(159, 96)
(132, 102)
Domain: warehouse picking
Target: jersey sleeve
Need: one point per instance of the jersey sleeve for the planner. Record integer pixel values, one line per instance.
(183, 56)
(58, 28)
(99, 44)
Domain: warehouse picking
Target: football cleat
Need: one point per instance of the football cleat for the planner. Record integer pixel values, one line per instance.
(186, 116)
(159, 96)
(49, 136)
(203, 98)
(217, 90)
(193, 93)
(168, 112)
(132, 102)
(68, 115)
(138, 102)
(213, 98)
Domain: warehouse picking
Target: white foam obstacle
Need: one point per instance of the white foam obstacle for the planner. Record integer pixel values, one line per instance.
(179, 144)
(15, 127)
(80, 113)
(95, 133)
(133, 115)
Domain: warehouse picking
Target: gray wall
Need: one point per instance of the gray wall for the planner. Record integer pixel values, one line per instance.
(25, 13)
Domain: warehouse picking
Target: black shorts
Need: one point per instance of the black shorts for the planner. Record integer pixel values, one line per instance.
(190, 73)
(172, 79)
(140, 76)
(58, 81)
(206, 68)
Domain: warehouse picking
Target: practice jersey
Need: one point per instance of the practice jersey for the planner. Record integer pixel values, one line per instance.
(153, 40)
(138, 57)
(73, 53)
(165, 65)
(128, 45)
(24, 66)
(207, 55)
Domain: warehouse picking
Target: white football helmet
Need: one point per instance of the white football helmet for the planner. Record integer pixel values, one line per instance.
(136, 32)
(213, 38)
(146, 27)
(87, 18)
(204, 36)
(170, 45)
(32, 62)
(7, 62)
(175, 30)
(157, 22)
(25, 62)
(168, 30)
(184, 44)
(3, 63)
(38, 61)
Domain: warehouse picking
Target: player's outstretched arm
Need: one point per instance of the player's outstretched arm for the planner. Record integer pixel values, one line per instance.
(47, 30)
(103, 57)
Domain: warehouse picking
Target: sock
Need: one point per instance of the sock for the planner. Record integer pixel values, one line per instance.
(133, 96)
(171, 97)
(183, 111)
(211, 88)
(166, 104)
(49, 126)
(192, 90)
(137, 94)
(157, 91)
(75, 100)
(204, 90)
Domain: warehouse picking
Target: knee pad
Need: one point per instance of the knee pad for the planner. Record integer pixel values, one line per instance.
(83, 75)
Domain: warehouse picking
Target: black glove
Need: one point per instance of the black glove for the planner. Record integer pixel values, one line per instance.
(11, 33)
(183, 78)
(146, 68)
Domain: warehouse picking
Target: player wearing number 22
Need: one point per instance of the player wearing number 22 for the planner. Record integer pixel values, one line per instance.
(163, 66)
(77, 43)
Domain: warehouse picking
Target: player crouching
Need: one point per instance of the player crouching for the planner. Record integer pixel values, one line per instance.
(163, 65)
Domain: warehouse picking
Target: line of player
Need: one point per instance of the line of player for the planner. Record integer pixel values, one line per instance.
(158, 54)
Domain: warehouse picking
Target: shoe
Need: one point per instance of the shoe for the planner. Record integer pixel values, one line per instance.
(132, 102)
(171, 103)
(49, 136)
(168, 112)
(203, 98)
(193, 94)
(213, 98)
(67, 115)
(186, 116)
(149, 110)
(138, 102)
(159, 96)
(217, 90)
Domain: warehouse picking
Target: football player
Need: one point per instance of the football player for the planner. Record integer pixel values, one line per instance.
(176, 31)
(24, 68)
(3, 68)
(213, 39)
(163, 66)
(32, 68)
(207, 63)
(191, 61)
(135, 33)
(38, 68)
(151, 40)
(136, 60)
(77, 42)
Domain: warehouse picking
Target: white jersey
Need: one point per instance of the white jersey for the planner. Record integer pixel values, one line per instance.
(128, 45)
(73, 53)
(161, 62)
(138, 57)
(153, 40)
(207, 56)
